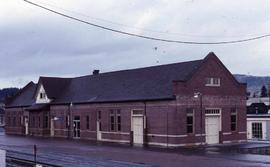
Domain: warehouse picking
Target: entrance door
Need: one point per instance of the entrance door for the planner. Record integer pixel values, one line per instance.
(212, 124)
(52, 128)
(98, 130)
(99, 125)
(77, 127)
(257, 130)
(137, 129)
(26, 124)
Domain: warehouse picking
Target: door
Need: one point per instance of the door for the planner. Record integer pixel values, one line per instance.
(26, 124)
(98, 130)
(76, 127)
(137, 129)
(99, 125)
(212, 124)
(52, 128)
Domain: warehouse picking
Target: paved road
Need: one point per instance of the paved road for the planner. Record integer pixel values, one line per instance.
(81, 153)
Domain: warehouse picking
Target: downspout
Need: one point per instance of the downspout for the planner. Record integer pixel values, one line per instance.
(70, 120)
(145, 129)
(167, 137)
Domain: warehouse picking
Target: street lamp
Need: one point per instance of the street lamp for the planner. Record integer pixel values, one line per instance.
(199, 95)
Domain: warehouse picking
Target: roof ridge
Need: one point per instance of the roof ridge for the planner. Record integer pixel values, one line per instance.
(139, 68)
(56, 77)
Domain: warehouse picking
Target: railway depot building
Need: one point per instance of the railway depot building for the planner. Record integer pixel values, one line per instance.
(187, 103)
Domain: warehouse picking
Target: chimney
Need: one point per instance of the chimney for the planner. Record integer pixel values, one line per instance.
(95, 72)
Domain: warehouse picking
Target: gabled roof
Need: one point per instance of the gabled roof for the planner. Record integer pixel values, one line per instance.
(150, 83)
(257, 108)
(53, 86)
(24, 97)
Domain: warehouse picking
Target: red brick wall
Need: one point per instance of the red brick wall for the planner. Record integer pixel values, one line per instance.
(165, 120)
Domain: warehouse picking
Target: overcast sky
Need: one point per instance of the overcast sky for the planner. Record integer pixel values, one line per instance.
(35, 42)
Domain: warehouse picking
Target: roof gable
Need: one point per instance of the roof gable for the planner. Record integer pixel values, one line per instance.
(53, 86)
(24, 97)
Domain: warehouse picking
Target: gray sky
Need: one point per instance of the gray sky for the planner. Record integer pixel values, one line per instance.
(34, 42)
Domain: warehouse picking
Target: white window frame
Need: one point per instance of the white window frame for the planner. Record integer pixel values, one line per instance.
(210, 81)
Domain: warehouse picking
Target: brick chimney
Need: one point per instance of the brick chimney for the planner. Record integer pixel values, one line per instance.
(95, 72)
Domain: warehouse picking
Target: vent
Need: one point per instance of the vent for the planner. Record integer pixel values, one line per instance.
(95, 72)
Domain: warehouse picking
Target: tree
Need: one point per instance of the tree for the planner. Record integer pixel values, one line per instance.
(264, 91)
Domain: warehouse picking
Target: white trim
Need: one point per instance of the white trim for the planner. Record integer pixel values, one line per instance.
(65, 130)
(227, 133)
(241, 141)
(226, 142)
(135, 115)
(173, 145)
(258, 119)
(117, 133)
(244, 132)
(176, 136)
(161, 135)
(114, 140)
(233, 141)
(89, 131)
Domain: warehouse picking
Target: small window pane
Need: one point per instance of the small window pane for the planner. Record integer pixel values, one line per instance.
(87, 122)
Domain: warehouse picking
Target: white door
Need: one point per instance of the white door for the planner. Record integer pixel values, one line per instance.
(26, 123)
(52, 127)
(212, 129)
(98, 130)
(137, 130)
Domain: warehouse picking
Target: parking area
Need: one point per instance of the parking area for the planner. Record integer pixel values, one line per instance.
(64, 152)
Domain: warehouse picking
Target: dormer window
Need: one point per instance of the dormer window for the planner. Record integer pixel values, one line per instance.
(212, 81)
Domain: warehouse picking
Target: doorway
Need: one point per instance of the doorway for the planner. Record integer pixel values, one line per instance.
(77, 127)
(52, 128)
(26, 125)
(137, 129)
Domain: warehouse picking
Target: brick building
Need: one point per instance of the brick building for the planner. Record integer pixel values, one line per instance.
(187, 103)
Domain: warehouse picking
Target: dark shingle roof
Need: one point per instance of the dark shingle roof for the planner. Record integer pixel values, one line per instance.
(53, 86)
(150, 83)
(137, 84)
(24, 97)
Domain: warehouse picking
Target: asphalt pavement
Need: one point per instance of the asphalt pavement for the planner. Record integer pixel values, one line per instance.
(64, 152)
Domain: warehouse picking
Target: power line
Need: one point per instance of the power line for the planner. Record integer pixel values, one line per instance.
(143, 29)
(147, 37)
(140, 28)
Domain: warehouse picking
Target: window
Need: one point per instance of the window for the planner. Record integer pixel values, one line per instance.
(42, 95)
(39, 122)
(212, 111)
(118, 116)
(115, 120)
(190, 120)
(211, 81)
(99, 120)
(112, 120)
(257, 130)
(46, 121)
(233, 119)
(67, 121)
(87, 122)
(33, 122)
(99, 115)
(14, 121)
(8, 121)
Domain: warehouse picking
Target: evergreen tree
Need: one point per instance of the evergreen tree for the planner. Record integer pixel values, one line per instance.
(264, 91)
